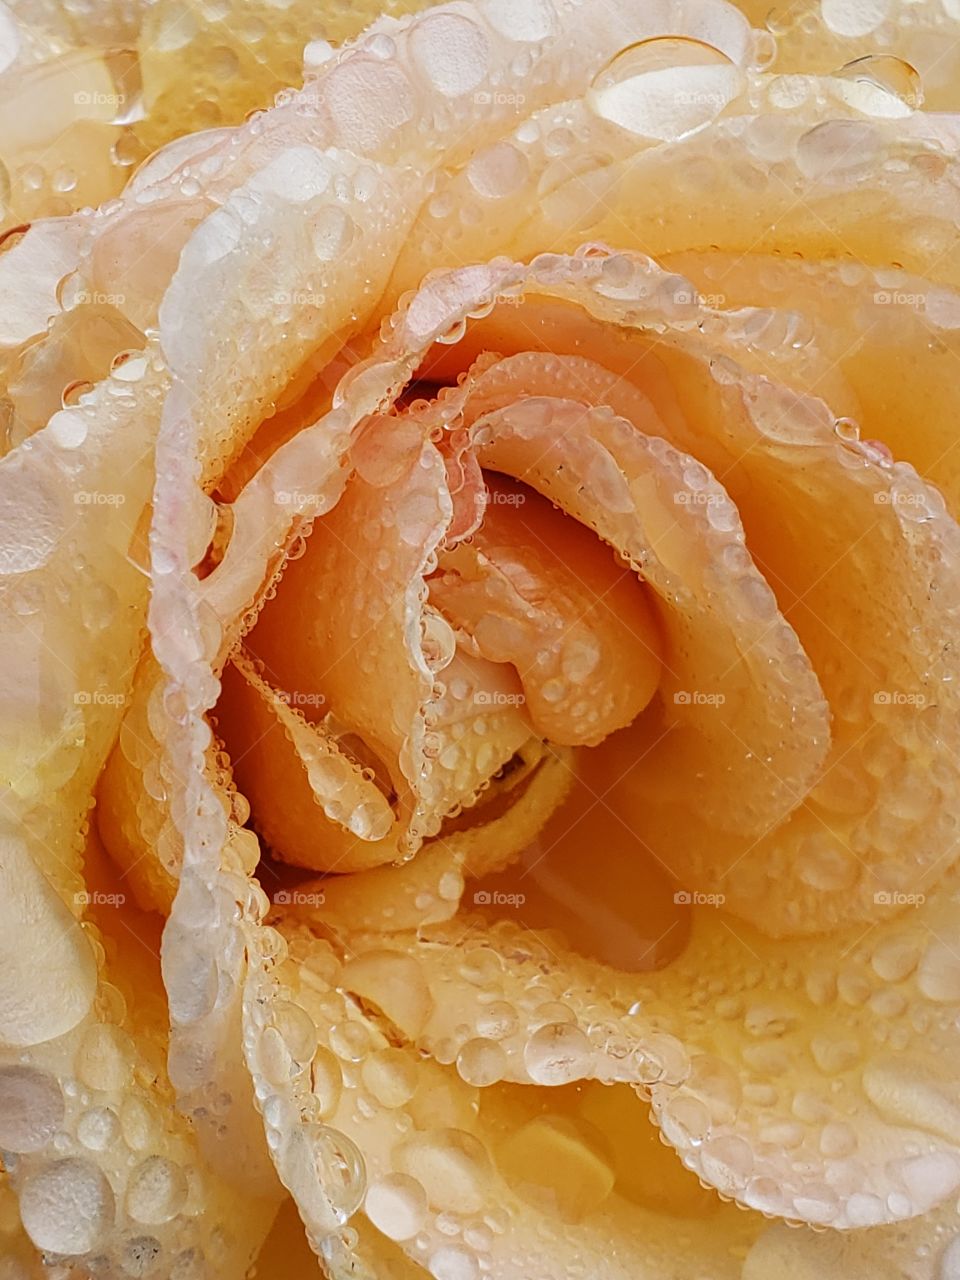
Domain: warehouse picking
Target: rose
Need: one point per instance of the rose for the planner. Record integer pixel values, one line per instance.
(662, 409)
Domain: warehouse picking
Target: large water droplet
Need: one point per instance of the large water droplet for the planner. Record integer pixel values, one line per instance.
(9, 38)
(157, 1191)
(557, 1054)
(31, 1108)
(854, 17)
(324, 1170)
(880, 86)
(665, 88)
(396, 1205)
(67, 1207)
(451, 1165)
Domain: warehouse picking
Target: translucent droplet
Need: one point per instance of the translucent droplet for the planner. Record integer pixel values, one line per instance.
(31, 1108)
(9, 38)
(67, 1207)
(665, 88)
(880, 85)
(451, 1165)
(324, 1170)
(157, 1191)
(481, 1062)
(71, 393)
(396, 1205)
(391, 1077)
(854, 17)
(557, 1053)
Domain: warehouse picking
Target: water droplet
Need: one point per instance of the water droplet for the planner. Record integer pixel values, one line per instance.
(481, 1062)
(31, 1108)
(451, 1165)
(157, 1191)
(910, 1094)
(98, 1128)
(854, 17)
(396, 1205)
(665, 88)
(391, 1077)
(326, 1081)
(323, 1169)
(71, 395)
(881, 86)
(939, 974)
(557, 1053)
(67, 1207)
(453, 1262)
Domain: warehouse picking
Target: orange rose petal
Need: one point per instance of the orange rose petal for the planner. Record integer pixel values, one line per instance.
(676, 526)
(787, 1079)
(516, 1176)
(925, 1249)
(341, 607)
(534, 590)
(831, 861)
(312, 803)
(891, 334)
(427, 889)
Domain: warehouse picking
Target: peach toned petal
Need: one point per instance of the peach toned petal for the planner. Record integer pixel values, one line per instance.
(456, 1184)
(890, 333)
(884, 699)
(533, 590)
(312, 803)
